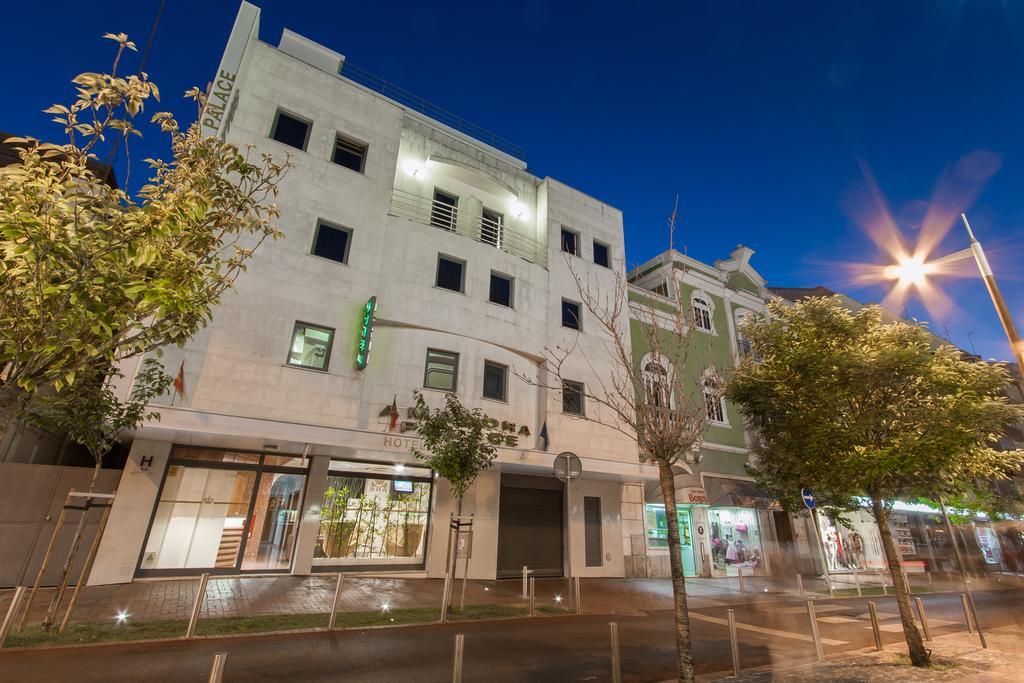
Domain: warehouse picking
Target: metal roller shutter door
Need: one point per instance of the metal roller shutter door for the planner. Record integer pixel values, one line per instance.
(529, 532)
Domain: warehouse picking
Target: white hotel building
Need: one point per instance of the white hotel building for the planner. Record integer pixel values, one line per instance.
(280, 457)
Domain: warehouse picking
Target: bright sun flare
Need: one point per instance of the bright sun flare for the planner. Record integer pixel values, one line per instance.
(909, 270)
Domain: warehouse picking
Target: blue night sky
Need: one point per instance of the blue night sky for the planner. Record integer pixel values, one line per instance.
(760, 115)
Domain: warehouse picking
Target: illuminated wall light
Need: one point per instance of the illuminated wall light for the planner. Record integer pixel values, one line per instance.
(517, 208)
(399, 468)
(415, 168)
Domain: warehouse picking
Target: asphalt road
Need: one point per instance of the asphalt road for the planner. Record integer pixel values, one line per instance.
(544, 649)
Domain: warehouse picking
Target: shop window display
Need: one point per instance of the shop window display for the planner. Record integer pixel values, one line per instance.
(736, 541)
(657, 533)
(372, 521)
(851, 542)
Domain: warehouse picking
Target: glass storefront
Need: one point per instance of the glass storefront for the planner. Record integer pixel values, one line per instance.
(225, 511)
(657, 533)
(736, 541)
(373, 518)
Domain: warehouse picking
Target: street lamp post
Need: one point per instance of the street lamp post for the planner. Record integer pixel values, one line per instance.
(997, 298)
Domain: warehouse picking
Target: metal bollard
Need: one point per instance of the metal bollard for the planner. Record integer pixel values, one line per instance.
(831, 588)
(12, 613)
(576, 594)
(931, 583)
(856, 580)
(967, 612)
(815, 634)
(220, 660)
(924, 619)
(616, 663)
(800, 585)
(445, 593)
(874, 624)
(526, 583)
(197, 605)
(460, 643)
(906, 580)
(533, 597)
(734, 642)
(881, 577)
(334, 605)
(739, 575)
(977, 625)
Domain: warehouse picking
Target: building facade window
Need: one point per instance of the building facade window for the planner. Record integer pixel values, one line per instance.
(657, 381)
(370, 519)
(501, 289)
(331, 242)
(572, 397)
(441, 371)
(290, 130)
(311, 346)
(225, 512)
(450, 273)
(703, 312)
(495, 381)
(713, 398)
(491, 225)
(349, 153)
(601, 255)
(570, 241)
(740, 317)
(571, 315)
(444, 212)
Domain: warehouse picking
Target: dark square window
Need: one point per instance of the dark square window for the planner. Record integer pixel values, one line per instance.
(570, 314)
(311, 346)
(495, 379)
(572, 397)
(290, 130)
(331, 242)
(449, 273)
(441, 371)
(570, 242)
(501, 289)
(349, 153)
(601, 254)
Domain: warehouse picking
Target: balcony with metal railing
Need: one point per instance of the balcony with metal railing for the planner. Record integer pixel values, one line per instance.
(417, 103)
(481, 228)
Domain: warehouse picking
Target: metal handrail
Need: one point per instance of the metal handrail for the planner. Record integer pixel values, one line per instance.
(417, 103)
(476, 227)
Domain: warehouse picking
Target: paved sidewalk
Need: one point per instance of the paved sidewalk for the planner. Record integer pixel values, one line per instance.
(249, 596)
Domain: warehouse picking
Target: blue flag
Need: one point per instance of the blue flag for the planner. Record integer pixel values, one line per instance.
(543, 436)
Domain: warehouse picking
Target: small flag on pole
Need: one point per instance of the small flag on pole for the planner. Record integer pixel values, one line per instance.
(394, 414)
(179, 383)
(543, 436)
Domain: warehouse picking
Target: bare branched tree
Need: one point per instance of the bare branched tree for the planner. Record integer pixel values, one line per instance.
(659, 400)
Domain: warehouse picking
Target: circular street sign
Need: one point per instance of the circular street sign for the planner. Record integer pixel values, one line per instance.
(568, 466)
(808, 496)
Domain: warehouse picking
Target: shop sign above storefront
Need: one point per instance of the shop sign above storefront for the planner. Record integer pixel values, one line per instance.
(692, 495)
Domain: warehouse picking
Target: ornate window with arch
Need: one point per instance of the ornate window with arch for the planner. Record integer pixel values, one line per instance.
(713, 398)
(742, 343)
(703, 311)
(657, 381)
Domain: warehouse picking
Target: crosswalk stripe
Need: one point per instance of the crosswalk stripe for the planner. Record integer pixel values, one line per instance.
(766, 631)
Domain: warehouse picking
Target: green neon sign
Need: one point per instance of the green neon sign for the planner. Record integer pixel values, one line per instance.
(366, 333)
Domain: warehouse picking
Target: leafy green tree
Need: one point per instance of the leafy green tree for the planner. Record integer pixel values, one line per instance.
(854, 407)
(90, 413)
(458, 443)
(91, 274)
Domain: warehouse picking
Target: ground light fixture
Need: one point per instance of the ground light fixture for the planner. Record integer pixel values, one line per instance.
(122, 616)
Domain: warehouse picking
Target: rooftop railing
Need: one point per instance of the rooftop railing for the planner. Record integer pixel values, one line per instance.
(483, 229)
(417, 103)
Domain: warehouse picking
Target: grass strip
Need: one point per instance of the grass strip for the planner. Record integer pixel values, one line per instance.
(94, 632)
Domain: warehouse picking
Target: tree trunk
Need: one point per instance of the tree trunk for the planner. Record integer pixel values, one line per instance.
(919, 656)
(684, 655)
(11, 399)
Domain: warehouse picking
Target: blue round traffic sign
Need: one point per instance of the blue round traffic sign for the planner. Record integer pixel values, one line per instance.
(808, 496)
